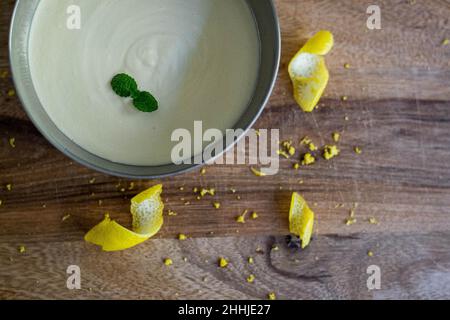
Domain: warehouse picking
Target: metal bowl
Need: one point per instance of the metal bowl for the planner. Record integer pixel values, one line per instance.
(270, 51)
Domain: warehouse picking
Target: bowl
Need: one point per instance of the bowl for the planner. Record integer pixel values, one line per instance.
(270, 50)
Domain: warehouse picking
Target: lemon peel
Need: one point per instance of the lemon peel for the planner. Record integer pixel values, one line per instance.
(308, 70)
(147, 213)
(301, 219)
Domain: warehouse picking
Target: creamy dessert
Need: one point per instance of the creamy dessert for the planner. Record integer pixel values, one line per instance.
(199, 58)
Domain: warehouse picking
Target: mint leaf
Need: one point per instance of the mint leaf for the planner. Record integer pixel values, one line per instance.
(124, 85)
(145, 102)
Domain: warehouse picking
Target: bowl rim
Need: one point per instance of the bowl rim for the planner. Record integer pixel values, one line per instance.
(179, 169)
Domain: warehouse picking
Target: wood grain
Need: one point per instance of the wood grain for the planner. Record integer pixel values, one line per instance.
(334, 267)
(398, 112)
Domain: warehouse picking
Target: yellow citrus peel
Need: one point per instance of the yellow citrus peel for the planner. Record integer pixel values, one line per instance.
(308, 71)
(147, 213)
(301, 219)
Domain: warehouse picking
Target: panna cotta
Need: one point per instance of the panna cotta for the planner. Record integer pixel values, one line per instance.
(198, 58)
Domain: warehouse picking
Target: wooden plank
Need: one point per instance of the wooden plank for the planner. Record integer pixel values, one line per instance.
(402, 179)
(333, 267)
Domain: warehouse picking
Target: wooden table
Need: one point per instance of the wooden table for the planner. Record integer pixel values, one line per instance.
(398, 110)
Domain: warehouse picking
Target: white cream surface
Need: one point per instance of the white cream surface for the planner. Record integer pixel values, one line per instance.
(199, 58)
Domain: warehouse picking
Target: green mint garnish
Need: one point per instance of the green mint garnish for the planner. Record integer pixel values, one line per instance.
(125, 86)
(145, 102)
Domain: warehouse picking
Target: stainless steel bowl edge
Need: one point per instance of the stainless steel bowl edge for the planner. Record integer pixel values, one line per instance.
(270, 40)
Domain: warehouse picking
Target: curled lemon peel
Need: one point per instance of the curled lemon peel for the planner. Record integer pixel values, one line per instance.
(301, 219)
(308, 71)
(147, 213)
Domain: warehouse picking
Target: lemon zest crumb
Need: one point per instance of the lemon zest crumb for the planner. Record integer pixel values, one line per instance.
(272, 296)
(251, 278)
(22, 249)
(283, 154)
(308, 159)
(182, 237)
(216, 205)
(291, 150)
(312, 146)
(241, 218)
(336, 136)
(204, 192)
(223, 263)
(257, 173)
(171, 213)
(168, 262)
(306, 140)
(12, 142)
(330, 152)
